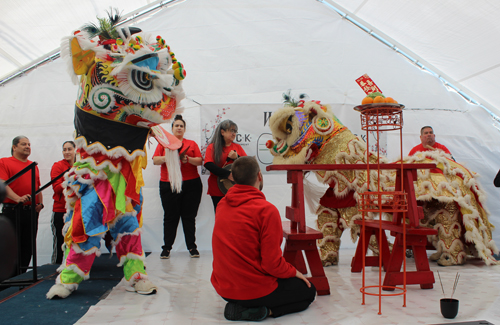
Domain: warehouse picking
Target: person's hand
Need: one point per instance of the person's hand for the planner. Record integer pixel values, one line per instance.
(24, 198)
(230, 177)
(184, 159)
(303, 278)
(38, 207)
(233, 155)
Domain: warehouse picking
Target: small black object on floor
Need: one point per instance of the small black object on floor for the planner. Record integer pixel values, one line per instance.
(476, 322)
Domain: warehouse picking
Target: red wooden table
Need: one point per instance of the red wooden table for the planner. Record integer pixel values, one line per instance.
(300, 238)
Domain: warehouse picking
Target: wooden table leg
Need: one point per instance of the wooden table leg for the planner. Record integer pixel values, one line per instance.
(423, 276)
(357, 260)
(293, 255)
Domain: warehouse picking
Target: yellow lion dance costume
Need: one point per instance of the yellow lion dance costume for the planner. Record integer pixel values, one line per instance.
(453, 201)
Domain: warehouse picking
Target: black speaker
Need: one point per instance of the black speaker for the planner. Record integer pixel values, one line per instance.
(3, 191)
(8, 248)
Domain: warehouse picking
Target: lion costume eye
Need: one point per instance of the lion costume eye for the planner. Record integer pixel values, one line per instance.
(289, 125)
(141, 80)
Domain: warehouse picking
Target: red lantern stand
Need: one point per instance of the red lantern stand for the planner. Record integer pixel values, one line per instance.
(380, 118)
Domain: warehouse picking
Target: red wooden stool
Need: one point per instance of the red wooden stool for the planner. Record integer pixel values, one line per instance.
(364, 237)
(299, 237)
(298, 242)
(416, 238)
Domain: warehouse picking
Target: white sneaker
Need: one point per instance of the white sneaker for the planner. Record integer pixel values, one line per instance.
(143, 287)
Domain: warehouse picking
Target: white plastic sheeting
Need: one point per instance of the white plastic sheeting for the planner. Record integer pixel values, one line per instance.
(186, 296)
(250, 52)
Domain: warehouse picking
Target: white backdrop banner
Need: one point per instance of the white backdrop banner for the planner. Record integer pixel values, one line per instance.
(254, 131)
(253, 128)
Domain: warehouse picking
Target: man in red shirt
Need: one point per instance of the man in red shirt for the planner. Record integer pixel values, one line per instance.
(249, 271)
(19, 192)
(428, 139)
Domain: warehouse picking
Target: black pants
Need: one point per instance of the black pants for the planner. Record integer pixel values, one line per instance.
(291, 296)
(183, 205)
(57, 237)
(23, 233)
(215, 201)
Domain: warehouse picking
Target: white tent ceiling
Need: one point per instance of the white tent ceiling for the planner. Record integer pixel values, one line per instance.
(30, 29)
(458, 38)
(453, 38)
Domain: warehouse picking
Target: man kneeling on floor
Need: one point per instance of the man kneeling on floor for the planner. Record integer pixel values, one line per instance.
(249, 271)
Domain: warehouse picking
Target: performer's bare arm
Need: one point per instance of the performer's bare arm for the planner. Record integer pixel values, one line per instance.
(233, 155)
(197, 161)
(158, 160)
(16, 198)
(25, 198)
(39, 206)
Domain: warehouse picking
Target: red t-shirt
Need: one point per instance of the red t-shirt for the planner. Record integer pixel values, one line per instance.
(21, 186)
(188, 170)
(59, 200)
(213, 188)
(246, 245)
(420, 148)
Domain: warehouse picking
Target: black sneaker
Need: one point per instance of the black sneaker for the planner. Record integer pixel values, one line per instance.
(194, 253)
(238, 312)
(165, 254)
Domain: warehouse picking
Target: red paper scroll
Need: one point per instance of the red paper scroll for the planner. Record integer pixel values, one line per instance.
(367, 84)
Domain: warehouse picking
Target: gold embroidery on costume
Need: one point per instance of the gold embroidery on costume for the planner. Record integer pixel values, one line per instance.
(309, 133)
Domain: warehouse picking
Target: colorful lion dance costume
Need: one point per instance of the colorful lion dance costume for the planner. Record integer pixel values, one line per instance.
(129, 83)
(453, 202)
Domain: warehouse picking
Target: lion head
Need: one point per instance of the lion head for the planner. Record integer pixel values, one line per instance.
(301, 129)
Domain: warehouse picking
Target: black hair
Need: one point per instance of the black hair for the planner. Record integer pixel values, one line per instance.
(71, 142)
(178, 117)
(425, 127)
(15, 142)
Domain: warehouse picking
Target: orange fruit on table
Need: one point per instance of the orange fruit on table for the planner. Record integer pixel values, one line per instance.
(389, 100)
(367, 100)
(378, 99)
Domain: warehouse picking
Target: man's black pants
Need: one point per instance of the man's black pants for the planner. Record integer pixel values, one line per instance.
(291, 296)
(23, 233)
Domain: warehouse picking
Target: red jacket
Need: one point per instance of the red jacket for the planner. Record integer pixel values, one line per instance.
(246, 244)
(59, 200)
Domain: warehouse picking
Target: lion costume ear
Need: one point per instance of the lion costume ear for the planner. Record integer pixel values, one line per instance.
(82, 60)
(78, 61)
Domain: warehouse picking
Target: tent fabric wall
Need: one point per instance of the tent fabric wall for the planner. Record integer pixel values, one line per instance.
(250, 52)
(455, 37)
(29, 29)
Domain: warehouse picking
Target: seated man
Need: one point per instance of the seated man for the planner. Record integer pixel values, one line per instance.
(249, 270)
(428, 139)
